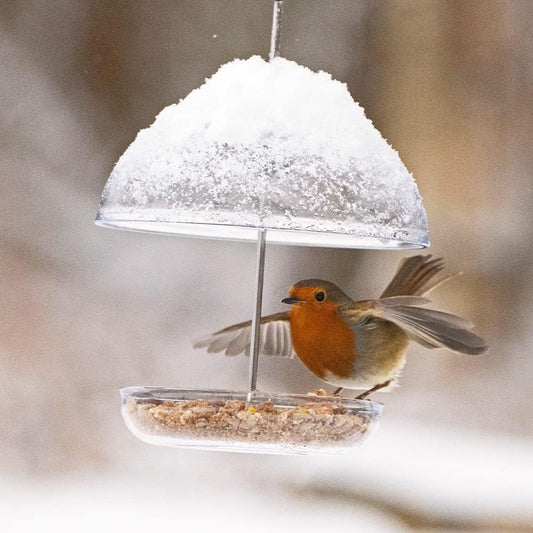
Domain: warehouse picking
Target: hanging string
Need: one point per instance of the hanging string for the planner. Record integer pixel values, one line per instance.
(276, 30)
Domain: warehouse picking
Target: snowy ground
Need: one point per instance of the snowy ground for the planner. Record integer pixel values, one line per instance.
(404, 479)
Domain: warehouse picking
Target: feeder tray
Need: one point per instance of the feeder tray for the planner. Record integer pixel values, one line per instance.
(269, 152)
(243, 422)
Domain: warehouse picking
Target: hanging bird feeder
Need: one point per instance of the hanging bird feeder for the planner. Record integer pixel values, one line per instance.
(269, 152)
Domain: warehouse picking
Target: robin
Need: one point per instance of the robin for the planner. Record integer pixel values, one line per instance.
(356, 344)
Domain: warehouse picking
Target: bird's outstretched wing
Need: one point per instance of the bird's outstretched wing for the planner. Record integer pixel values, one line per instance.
(274, 339)
(431, 328)
(416, 276)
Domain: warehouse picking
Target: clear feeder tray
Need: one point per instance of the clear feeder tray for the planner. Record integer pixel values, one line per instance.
(255, 422)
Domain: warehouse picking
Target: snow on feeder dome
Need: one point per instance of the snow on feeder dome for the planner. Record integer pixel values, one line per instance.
(267, 145)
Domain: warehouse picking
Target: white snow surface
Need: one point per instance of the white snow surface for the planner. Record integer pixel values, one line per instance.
(248, 101)
(440, 475)
(267, 144)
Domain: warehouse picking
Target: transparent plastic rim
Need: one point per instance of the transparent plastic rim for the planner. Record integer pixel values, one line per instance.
(167, 394)
(274, 235)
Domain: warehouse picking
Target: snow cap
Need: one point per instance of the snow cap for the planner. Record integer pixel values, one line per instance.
(267, 145)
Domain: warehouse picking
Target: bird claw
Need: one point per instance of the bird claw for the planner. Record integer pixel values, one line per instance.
(373, 389)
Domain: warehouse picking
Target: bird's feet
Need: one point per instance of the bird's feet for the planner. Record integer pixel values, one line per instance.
(373, 389)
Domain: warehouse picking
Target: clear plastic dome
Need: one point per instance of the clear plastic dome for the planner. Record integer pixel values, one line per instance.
(267, 145)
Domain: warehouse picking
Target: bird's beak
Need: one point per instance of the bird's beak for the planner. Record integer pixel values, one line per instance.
(290, 301)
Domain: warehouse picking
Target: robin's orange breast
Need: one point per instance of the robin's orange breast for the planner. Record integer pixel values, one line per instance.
(322, 340)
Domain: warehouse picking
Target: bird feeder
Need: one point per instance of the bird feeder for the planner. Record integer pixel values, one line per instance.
(269, 152)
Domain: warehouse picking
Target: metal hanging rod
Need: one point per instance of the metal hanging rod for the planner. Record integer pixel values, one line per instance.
(276, 29)
(256, 318)
(261, 236)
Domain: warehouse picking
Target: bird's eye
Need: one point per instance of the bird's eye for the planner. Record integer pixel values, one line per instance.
(319, 296)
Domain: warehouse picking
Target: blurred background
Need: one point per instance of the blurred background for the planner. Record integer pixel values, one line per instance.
(86, 310)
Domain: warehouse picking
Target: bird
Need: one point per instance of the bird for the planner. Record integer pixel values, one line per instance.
(361, 344)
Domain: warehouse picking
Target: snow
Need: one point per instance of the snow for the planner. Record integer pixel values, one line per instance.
(266, 144)
(125, 504)
(481, 482)
(436, 471)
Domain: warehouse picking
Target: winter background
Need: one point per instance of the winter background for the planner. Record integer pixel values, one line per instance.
(86, 310)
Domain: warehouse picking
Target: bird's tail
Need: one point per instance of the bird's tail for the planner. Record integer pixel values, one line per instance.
(416, 276)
